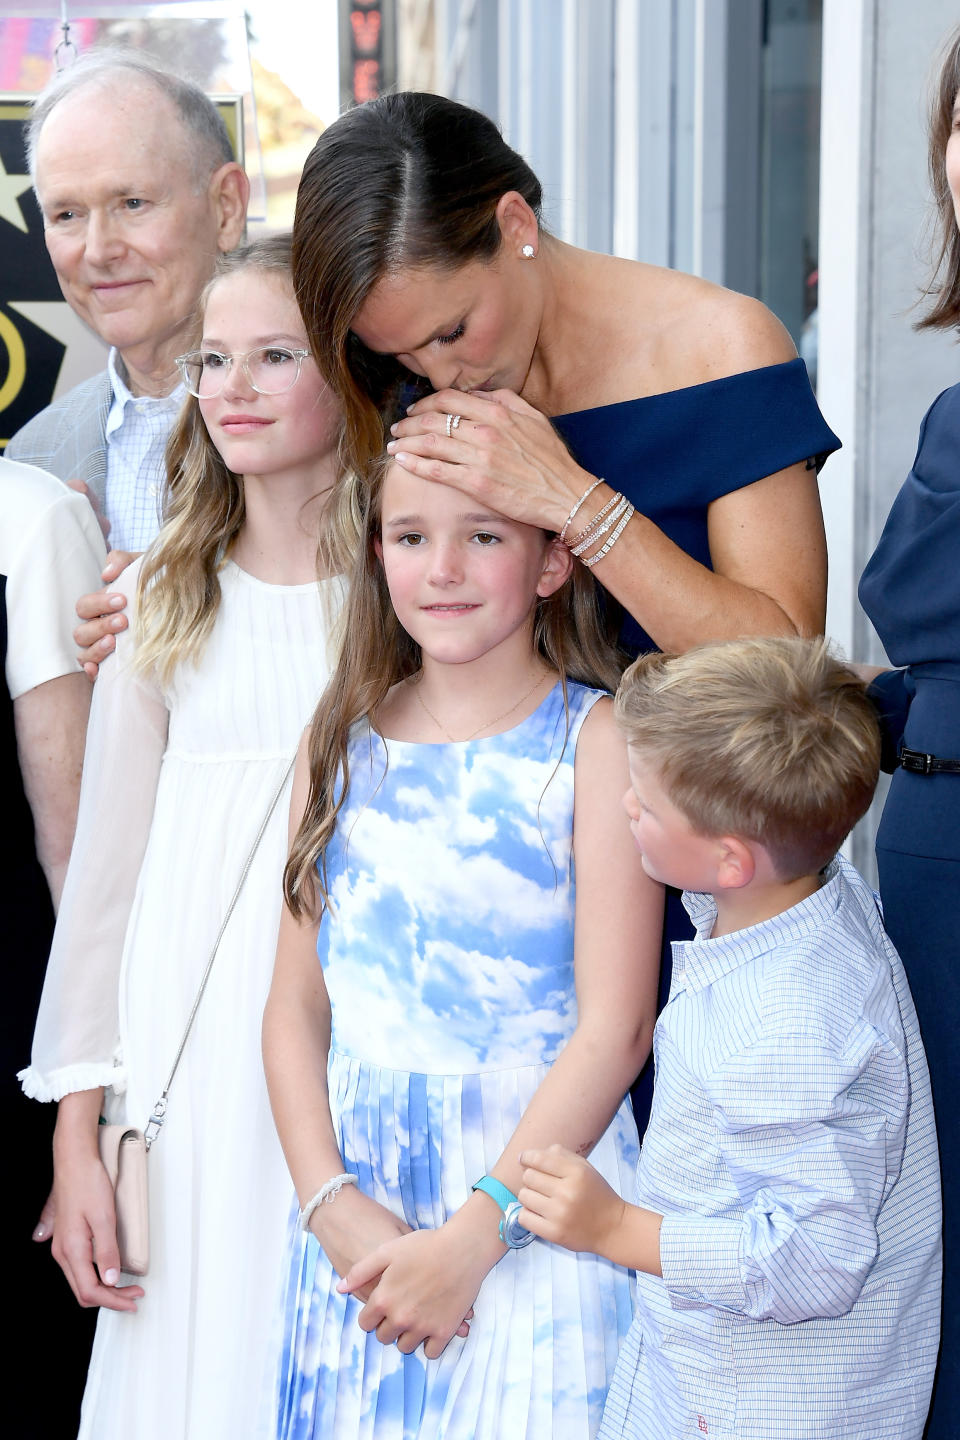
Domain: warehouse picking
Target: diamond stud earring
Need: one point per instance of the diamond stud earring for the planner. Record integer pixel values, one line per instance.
(528, 252)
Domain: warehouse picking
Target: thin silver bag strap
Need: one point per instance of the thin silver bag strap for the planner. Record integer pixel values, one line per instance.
(159, 1113)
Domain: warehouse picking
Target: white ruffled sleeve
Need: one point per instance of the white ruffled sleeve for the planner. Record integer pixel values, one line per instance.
(76, 1045)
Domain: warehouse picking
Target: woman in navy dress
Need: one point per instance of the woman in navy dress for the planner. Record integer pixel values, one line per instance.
(419, 255)
(911, 591)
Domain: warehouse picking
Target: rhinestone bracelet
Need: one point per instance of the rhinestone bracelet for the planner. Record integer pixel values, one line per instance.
(586, 494)
(597, 533)
(605, 549)
(591, 525)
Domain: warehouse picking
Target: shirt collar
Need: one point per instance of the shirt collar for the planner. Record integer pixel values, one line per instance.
(699, 963)
(123, 395)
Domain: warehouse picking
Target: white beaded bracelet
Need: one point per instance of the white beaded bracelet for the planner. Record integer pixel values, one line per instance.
(324, 1196)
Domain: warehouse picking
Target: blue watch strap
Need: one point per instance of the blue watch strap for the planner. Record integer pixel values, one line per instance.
(511, 1232)
(497, 1191)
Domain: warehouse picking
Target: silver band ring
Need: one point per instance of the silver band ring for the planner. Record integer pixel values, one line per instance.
(455, 422)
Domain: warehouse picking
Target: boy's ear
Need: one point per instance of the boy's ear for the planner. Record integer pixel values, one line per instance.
(737, 863)
(557, 566)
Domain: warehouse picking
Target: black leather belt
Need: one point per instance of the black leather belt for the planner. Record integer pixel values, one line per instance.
(920, 764)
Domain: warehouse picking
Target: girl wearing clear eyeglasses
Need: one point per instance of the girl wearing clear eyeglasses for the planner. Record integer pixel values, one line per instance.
(195, 721)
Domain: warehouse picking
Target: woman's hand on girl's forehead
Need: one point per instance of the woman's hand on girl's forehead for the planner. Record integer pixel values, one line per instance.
(503, 451)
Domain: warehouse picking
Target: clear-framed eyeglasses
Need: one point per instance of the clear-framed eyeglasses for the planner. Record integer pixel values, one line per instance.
(270, 369)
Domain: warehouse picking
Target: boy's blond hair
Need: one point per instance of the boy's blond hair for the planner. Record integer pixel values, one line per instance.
(770, 740)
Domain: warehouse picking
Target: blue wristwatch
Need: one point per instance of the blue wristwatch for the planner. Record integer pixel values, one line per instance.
(511, 1232)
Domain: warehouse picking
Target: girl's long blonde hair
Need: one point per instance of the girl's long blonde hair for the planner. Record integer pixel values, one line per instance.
(203, 511)
(573, 632)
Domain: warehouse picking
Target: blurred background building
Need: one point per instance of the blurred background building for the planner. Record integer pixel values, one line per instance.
(775, 146)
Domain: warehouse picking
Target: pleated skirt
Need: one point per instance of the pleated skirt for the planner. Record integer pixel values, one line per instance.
(548, 1323)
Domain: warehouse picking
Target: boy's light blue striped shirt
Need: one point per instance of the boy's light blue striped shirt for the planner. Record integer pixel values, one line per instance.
(792, 1153)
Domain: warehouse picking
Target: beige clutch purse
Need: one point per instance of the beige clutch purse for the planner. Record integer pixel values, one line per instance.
(123, 1152)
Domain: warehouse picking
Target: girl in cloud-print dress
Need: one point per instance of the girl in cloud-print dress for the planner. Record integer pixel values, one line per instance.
(472, 996)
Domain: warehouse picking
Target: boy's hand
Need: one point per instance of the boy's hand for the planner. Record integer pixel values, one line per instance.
(567, 1202)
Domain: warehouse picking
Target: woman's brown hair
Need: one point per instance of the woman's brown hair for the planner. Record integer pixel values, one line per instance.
(944, 284)
(406, 181)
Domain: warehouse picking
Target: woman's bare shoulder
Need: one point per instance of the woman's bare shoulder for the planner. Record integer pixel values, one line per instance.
(701, 329)
(735, 332)
(634, 329)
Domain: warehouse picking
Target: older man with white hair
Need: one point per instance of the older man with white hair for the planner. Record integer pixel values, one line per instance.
(140, 193)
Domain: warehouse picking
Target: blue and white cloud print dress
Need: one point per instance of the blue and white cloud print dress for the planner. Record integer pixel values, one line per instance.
(449, 965)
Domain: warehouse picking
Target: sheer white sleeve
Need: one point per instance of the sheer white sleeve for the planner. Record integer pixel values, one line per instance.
(76, 1045)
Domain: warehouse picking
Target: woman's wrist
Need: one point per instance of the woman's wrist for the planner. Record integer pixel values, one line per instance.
(596, 522)
(78, 1118)
(568, 535)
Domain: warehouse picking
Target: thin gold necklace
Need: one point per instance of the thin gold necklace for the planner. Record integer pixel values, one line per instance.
(486, 724)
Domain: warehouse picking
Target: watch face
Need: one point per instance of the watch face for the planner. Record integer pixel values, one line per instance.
(512, 1233)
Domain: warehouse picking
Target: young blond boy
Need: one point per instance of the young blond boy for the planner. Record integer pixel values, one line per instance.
(787, 1231)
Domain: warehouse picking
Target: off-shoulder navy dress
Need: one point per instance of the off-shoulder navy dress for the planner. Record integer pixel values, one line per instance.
(674, 453)
(911, 591)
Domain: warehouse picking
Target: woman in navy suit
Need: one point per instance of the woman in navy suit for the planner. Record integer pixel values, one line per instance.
(911, 591)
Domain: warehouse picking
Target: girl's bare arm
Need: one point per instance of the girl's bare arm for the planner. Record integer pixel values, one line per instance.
(296, 1044)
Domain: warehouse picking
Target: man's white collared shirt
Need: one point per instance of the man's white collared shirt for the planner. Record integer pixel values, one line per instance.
(137, 430)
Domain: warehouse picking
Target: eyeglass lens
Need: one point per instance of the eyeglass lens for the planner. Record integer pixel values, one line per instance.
(271, 370)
